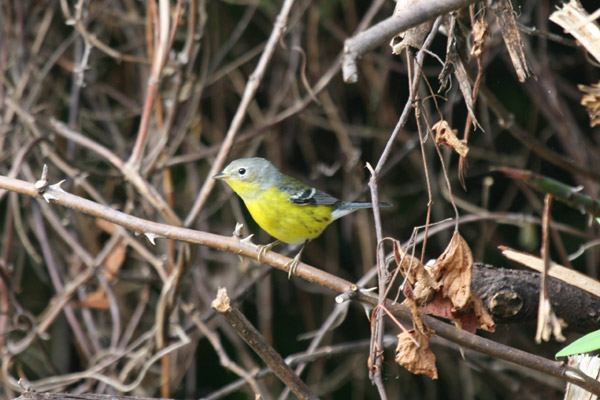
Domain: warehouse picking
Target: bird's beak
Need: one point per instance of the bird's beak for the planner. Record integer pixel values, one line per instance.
(221, 176)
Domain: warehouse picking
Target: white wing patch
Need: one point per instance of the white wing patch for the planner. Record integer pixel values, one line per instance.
(303, 197)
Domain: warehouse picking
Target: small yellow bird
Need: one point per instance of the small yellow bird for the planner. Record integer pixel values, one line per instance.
(284, 207)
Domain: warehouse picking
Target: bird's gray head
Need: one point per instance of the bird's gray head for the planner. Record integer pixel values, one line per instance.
(249, 172)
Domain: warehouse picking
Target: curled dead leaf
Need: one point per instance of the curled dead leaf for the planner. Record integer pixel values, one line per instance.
(453, 270)
(591, 101)
(444, 288)
(438, 305)
(480, 32)
(418, 360)
(484, 319)
(446, 136)
(474, 317)
(505, 16)
(409, 301)
(414, 271)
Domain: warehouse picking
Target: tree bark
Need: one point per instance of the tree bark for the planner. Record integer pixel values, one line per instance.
(512, 296)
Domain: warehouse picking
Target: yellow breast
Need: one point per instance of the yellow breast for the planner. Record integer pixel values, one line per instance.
(286, 221)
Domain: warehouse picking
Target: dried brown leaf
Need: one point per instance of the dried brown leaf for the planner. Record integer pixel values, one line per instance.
(438, 305)
(453, 269)
(460, 73)
(505, 14)
(591, 101)
(453, 64)
(446, 136)
(474, 316)
(418, 360)
(480, 32)
(451, 54)
(412, 268)
(484, 318)
(415, 273)
(409, 301)
(444, 289)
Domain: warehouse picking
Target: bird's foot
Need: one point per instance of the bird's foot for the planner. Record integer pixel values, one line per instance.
(293, 265)
(262, 249)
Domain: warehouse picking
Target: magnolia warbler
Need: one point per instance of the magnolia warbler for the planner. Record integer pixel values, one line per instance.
(284, 207)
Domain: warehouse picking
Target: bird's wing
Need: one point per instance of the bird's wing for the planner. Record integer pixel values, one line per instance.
(312, 196)
(302, 194)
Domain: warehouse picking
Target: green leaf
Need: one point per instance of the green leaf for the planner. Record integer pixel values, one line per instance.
(585, 344)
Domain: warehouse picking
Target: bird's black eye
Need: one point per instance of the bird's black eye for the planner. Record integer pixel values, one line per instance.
(242, 171)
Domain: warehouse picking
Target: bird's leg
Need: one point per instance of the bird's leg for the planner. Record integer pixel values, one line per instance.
(293, 264)
(262, 249)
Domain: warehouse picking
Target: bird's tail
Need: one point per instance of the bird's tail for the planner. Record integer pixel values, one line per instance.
(348, 207)
(364, 204)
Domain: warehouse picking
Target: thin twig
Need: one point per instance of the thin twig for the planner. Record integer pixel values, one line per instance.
(376, 355)
(224, 359)
(255, 340)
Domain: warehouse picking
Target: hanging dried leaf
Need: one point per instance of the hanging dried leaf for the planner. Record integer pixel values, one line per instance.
(460, 73)
(475, 317)
(409, 301)
(451, 54)
(415, 273)
(591, 101)
(438, 305)
(505, 14)
(480, 32)
(418, 360)
(445, 136)
(453, 64)
(453, 270)
(444, 289)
